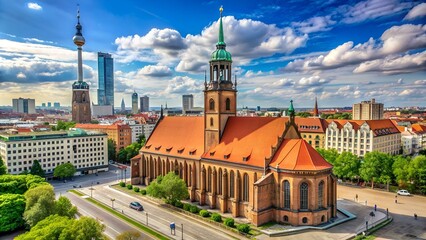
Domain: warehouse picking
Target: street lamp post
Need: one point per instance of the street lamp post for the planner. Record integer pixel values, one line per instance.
(91, 190)
(125, 174)
(182, 230)
(112, 203)
(147, 219)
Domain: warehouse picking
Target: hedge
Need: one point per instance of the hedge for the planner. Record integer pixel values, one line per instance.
(216, 217)
(129, 186)
(244, 228)
(122, 184)
(136, 189)
(204, 213)
(194, 209)
(229, 222)
(143, 192)
(187, 207)
(178, 204)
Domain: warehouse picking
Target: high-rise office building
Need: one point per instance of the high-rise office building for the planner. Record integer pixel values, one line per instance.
(49, 104)
(367, 110)
(135, 103)
(187, 102)
(123, 105)
(144, 103)
(105, 79)
(24, 105)
(80, 90)
(56, 105)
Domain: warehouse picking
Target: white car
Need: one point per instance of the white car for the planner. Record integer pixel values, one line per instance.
(403, 193)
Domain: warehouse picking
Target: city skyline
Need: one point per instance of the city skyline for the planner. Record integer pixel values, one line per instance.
(340, 53)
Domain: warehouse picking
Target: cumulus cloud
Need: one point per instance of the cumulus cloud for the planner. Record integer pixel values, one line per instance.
(34, 6)
(371, 9)
(395, 64)
(395, 40)
(417, 11)
(246, 39)
(315, 24)
(155, 71)
(181, 85)
(420, 82)
(21, 75)
(312, 81)
(284, 82)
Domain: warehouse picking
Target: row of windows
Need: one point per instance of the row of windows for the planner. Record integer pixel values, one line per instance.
(49, 170)
(14, 145)
(227, 104)
(48, 160)
(304, 195)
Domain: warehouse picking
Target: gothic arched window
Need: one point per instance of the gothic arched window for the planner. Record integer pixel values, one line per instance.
(320, 194)
(219, 182)
(228, 104)
(304, 196)
(286, 194)
(211, 122)
(231, 184)
(83, 97)
(211, 104)
(209, 180)
(246, 188)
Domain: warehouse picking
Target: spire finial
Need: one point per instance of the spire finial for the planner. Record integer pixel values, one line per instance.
(221, 38)
(78, 13)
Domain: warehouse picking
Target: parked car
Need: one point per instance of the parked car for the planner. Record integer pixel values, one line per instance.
(136, 206)
(403, 192)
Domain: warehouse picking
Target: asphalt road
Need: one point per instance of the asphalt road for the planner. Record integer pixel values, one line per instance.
(404, 225)
(158, 217)
(113, 225)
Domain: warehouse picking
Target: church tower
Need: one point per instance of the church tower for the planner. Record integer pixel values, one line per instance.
(220, 94)
(316, 112)
(80, 90)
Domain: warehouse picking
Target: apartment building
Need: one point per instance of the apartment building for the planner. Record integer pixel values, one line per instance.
(119, 132)
(86, 150)
(361, 137)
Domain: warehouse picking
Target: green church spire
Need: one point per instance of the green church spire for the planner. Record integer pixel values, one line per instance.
(221, 37)
(291, 108)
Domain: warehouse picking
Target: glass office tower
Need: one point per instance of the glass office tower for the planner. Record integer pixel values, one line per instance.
(106, 79)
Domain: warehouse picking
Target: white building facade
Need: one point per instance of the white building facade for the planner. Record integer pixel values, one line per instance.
(361, 137)
(86, 150)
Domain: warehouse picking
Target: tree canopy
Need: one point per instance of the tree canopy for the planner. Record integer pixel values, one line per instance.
(346, 165)
(125, 154)
(128, 235)
(64, 228)
(36, 169)
(170, 187)
(40, 204)
(19, 183)
(3, 169)
(112, 150)
(63, 207)
(12, 207)
(61, 125)
(64, 170)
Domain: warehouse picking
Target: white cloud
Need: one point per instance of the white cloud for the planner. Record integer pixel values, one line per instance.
(315, 24)
(155, 71)
(21, 75)
(181, 85)
(420, 82)
(400, 81)
(34, 6)
(417, 11)
(395, 40)
(371, 9)
(284, 82)
(395, 64)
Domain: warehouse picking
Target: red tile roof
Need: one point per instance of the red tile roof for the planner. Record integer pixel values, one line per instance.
(417, 128)
(99, 126)
(311, 125)
(379, 127)
(296, 154)
(177, 136)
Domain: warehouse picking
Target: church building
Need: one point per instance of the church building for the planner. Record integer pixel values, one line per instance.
(254, 167)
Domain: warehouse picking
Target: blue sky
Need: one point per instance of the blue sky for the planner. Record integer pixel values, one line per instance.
(339, 51)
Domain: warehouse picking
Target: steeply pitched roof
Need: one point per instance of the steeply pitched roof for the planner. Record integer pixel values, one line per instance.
(177, 136)
(311, 125)
(419, 129)
(248, 140)
(296, 154)
(379, 127)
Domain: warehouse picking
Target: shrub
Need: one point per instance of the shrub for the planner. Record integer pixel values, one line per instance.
(143, 192)
(129, 186)
(229, 222)
(178, 204)
(136, 189)
(122, 184)
(204, 213)
(244, 228)
(187, 207)
(194, 209)
(216, 217)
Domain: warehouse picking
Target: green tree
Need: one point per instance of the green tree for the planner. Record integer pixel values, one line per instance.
(40, 204)
(3, 169)
(128, 235)
(417, 173)
(328, 154)
(142, 140)
(371, 166)
(170, 187)
(63, 207)
(12, 207)
(112, 150)
(36, 169)
(64, 170)
(400, 170)
(346, 165)
(85, 228)
(19, 183)
(61, 125)
(303, 114)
